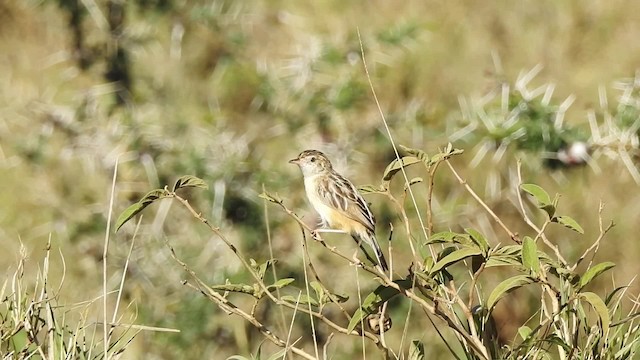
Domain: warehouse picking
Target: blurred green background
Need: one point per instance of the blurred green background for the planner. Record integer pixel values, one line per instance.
(229, 90)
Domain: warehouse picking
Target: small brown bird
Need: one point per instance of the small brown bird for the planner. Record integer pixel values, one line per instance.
(340, 205)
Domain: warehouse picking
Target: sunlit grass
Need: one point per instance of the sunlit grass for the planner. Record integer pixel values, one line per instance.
(230, 90)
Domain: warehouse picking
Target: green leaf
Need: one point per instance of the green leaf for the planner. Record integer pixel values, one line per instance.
(416, 351)
(442, 237)
(524, 332)
(318, 288)
(371, 303)
(454, 257)
(278, 355)
(593, 272)
(189, 181)
(338, 298)
(370, 189)
(507, 255)
(541, 196)
(568, 222)
(356, 319)
(530, 258)
(599, 306)
(448, 152)
(507, 286)
(537, 192)
(238, 288)
(136, 208)
(304, 299)
(427, 263)
(413, 181)
(262, 268)
(415, 152)
(609, 297)
(281, 283)
(396, 165)
(479, 239)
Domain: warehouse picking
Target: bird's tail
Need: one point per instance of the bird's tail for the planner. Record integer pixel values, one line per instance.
(370, 239)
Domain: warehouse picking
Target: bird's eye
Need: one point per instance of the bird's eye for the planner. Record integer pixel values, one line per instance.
(313, 159)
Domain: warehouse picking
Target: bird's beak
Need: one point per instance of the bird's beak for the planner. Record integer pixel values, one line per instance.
(294, 161)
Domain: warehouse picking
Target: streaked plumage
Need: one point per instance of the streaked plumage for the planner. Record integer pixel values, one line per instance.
(338, 202)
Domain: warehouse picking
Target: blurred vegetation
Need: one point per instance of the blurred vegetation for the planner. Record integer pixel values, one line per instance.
(229, 90)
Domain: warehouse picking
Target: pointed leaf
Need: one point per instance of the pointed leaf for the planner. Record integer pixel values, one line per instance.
(599, 306)
(507, 286)
(338, 298)
(318, 288)
(416, 351)
(417, 153)
(538, 193)
(541, 196)
(370, 189)
(479, 239)
(530, 258)
(413, 181)
(262, 268)
(304, 299)
(356, 319)
(238, 288)
(396, 165)
(128, 213)
(281, 283)
(189, 181)
(505, 256)
(524, 332)
(609, 297)
(136, 208)
(593, 272)
(371, 303)
(278, 355)
(448, 152)
(442, 237)
(568, 222)
(427, 263)
(454, 257)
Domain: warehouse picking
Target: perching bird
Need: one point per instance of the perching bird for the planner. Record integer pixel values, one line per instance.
(340, 205)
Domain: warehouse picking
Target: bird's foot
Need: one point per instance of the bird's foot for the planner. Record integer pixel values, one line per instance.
(355, 260)
(315, 235)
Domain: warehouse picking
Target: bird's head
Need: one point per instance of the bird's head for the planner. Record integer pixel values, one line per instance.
(312, 162)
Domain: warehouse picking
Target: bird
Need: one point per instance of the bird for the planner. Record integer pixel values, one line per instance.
(338, 202)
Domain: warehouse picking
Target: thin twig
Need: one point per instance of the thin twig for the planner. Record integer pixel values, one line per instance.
(273, 267)
(230, 307)
(539, 231)
(124, 275)
(393, 144)
(596, 244)
(105, 254)
(317, 277)
(513, 236)
(261, 284)
(432, 175)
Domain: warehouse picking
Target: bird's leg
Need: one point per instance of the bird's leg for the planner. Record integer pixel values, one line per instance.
(355, 259)
(316, 233)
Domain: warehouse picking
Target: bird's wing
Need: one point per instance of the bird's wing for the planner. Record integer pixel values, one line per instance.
(340, 194)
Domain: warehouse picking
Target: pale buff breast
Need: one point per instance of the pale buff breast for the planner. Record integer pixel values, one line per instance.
(333, 218)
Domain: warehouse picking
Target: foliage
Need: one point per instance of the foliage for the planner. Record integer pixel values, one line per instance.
(570, 322)
(228, 89)
(35, 324)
